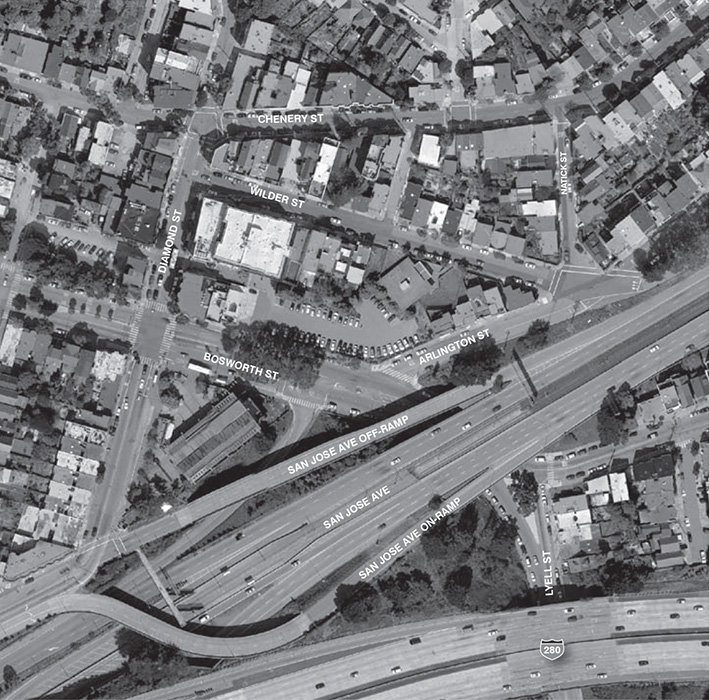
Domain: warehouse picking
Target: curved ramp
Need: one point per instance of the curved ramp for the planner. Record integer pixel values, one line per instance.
(188, 642)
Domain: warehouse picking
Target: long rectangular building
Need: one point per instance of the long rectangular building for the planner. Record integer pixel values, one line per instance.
(199, 446)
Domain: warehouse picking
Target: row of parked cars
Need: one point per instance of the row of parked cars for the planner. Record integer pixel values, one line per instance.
(326, 314)
(85, 248)
(364, 352)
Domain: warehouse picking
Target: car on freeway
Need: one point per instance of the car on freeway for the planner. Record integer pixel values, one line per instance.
(590, 664)
(395, 461)
(204, 618)
(467, 426)
(654, 348)
(535, 674)
(249, 590)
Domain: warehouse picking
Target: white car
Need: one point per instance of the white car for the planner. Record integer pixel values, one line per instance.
(467, 426)
(395, 461)
(204, 618)
(540, 458)
(535, 674)
(654, 348)
(484, 251)
(530, 265)
(492, 633)
(590, 665)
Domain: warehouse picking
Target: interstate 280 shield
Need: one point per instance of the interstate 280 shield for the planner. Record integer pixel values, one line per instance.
(551, 649)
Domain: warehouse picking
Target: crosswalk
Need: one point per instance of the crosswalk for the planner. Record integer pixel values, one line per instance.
(301, 402)
(401, 376)
(168, 337)
(159, 306)
(135, 323)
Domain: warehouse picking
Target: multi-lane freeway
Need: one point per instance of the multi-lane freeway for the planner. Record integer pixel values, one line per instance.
(629, 324)
(481, 656)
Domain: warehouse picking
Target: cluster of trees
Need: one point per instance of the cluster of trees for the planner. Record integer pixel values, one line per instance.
(624, 576)
(146, 495)
(39, 131)
(327, 291)
(169, 393)
(464, 70)
(49, 263)
(7, 226)
(83, 29)
(468, 562)
(617, 410)
(37, 302)
(536, 337)
(525, 491)
(476, 364)
(274, 346)
(147, 663)
(682, 244)
(344, 184)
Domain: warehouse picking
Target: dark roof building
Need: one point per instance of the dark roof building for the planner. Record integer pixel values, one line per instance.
(410, 200)
(651, 463)
(199, 446)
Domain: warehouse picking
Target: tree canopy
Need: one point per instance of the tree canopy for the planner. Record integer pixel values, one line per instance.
(49, 263)
(525, 491)
(274, 346)
(477, 364)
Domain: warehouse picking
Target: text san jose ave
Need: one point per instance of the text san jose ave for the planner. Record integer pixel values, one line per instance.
(398, 547)
(353, 508)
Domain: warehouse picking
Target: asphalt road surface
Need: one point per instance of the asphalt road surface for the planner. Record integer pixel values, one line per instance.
(457, 657)
(673, 294)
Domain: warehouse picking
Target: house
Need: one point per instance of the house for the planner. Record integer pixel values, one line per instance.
(430, 151)
(407, 281)
(410, 201)
(24, 53)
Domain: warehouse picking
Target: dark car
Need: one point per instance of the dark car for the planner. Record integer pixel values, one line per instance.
(155, 294)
